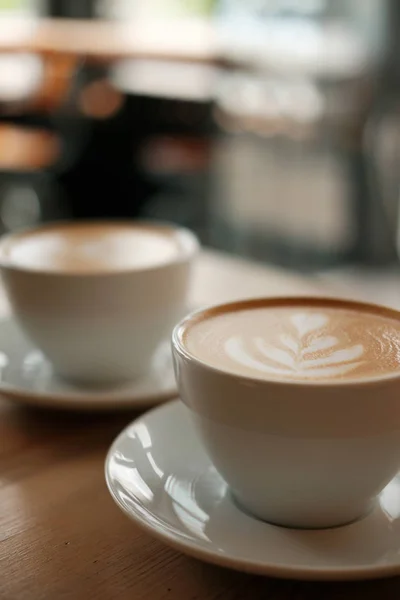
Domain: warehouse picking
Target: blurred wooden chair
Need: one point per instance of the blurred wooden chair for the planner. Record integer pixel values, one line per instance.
(24, 149)
(34, 92)
(29, 83)
(28, 195)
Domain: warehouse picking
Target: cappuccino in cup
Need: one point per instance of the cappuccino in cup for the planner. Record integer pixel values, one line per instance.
(97, 298)
(91, 248)
(299, 343)
(297, 401)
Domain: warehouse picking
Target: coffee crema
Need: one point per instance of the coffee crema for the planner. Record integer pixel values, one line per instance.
(91, 247)
(298, 342)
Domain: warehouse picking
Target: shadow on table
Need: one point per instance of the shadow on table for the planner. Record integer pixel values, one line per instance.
(40, 437)
(242, 586)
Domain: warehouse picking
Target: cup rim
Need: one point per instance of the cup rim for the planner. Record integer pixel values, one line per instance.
(260, 302)
(188, 241)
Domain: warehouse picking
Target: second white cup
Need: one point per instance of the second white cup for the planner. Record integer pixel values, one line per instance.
(98, 326)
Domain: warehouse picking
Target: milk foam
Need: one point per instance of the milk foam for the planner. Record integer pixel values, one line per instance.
(293, 359)
(85, 248)
(301, 344)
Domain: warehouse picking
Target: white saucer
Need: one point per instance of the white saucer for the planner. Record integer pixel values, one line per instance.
(160, 476)
(26, 376)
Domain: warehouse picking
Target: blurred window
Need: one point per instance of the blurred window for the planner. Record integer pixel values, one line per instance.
(127, 9)
(21, 7)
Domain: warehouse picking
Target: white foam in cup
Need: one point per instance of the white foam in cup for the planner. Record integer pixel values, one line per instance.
(98, 297)
(299, 343)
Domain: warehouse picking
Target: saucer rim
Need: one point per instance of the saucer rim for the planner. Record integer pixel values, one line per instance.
(254, 567)
(80, 400)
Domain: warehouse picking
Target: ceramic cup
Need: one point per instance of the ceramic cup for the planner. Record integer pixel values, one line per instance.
(306, 455)
(99, 328)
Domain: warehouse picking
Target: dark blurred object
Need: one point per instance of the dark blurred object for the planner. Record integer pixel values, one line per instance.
(176, 159)
(170, 113)
(392, 80)
(115, 175)
(382, 133)
(27, 196)
(382, 149)
(32, 145)
(71, 9)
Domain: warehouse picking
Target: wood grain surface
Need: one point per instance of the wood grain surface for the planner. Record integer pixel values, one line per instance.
(61, 536)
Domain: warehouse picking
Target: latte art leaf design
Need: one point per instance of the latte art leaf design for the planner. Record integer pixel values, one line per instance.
(307, 353)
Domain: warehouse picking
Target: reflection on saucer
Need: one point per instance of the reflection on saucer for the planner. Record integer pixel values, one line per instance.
(26, 376)
(389, 499)
(159, 474)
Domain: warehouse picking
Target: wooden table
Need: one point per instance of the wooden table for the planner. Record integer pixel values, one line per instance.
(61, 536)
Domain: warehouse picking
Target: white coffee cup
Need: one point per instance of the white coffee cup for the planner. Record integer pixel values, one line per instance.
(298, 454)
(100, 327)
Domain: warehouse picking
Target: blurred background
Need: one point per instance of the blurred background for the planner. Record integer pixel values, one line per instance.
(270, 127)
